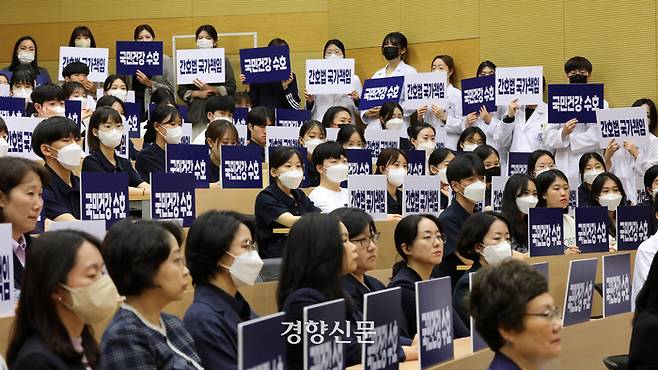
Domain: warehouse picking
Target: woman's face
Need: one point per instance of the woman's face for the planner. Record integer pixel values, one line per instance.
(314, 133)
(366, 247)
(355, 140)
(474, 139)
(498, 233)
(350, 254)
(22, 206)
(144, 35)
(545, 162)
(427, 248)
(609, 187)
(444, 163)
(108, 125)
(425, 135)
(400, 162)
(594, 164)
(172, 275)
(88, 268)
(27, 45)
(242, 243)
(491, 161)
(531, 190)
(341, 118)
(333, 51)
(440, 65)
(206, 35)
(117, 107)
(540, 337)
(486, 71)
(557, 195)
(118, 84)
(292, 164)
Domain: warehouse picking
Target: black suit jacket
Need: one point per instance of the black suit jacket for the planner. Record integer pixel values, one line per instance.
(18, 268)
(34, 355)
(644, 341)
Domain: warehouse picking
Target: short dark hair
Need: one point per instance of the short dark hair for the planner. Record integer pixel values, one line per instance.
(309, 125)
(331, 113)
(649, 176)
(209, 29)
(486, 64)
(576, 63)
(387, 110)
(209, 237)
(339, 44)
(345, 132)
(141, 28)
(82, 31)
(484, 151)
(438, 156)
(499, 298)
(355, 220)
(133, 251)
(100, 116)
(397, 39)
(582, 162)
(52, 129)
(534, 157)
(12, 172)
(544, 181)
(387, 157)
(328, 150)
(405, 233)
(468, 133)
(653, 116)
(22, 74)
(217, 102)
(515, 186)
(70, 87)
(464, 166)
(416, 128)
(258, 116)
(282, 154)
(277, 42)
(473, 231)
(46, 92)
(109, 100)
(163, 96)
(111, 78)
(52, 256)
(75, 68)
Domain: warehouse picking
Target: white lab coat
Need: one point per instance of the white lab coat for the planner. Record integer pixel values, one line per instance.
(401, 70)
(325, 101)
(528, 135)
(643, 259)
(448, 132)
(648, 156)
(499, 133)
(584, 138)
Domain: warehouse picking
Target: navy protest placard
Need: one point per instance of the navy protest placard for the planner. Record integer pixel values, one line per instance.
(616, 284)
(292, 117)
(73, 111)
(632, 226)
(133, 56)
(381, 353)
(580, 286)
(378, 91)
(12, 107)
(592, 229)
(252, 354)
(241, 167)
(323, 341)
(478, 92)
(434, 318)
(104, 196)
(545, 232)
(189, 158)
(517, 162)
(172, 196)
(271, 64)
(568, 101)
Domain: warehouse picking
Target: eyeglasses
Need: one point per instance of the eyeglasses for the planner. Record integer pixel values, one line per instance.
(552, 314)
(439, 237)
(249, 245)
(364, 243)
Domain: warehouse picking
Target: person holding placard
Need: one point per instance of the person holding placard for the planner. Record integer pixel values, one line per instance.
(195, 95)
(22, 84)
(282, 203)
(104, 135)
(519, 196)
(644, 256)
(117, 86)
(450, 115)
(21, 184)
(553, 192)
(219, 132)
(647, 156)
(145, 260)
(221, 254)
(311, 135)
(318, 104)
(470, 139)
(82, 37)
(394, 50)
(330, 162)
(484, 239)
(539, 161)
(25, 54)
(419, 242)
(48, 101)
(272, 95)
(608, 191)
(526, 132)
(516, 315)
(217, 107)
(391, 116)
(491, 160)
(466, 175)
(145, 85)
(65, 292)
(258, 119)
(337, 116)
(437, 164)
(590, 166)
(351, 137)
(56, 140)
(422, 137)
(164, 127)
(393, 163)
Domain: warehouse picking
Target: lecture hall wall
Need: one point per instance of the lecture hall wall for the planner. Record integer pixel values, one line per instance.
(618, 36)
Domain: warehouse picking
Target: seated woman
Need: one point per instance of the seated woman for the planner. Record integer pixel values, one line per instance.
(164, 127)
(491, 160)
(65, 291)
(281, 204)
(106, 131)
(351, 137)
(311, 134)
(516, 315)
(422, 136)
(519, 196)
(21, 185)
(330, 162)
(471, 138)
(608, 191)
(145, 261)
(590, 166)
(336, 117)
(419, 242)
(393, 163)
(437, 164)
(553, 192)
(219, 132)
(117, 86)
(221, 255)
(540, 161)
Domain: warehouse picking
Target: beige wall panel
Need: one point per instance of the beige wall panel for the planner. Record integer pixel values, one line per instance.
(82, 11)
(37, 11)
(438, 20)
(363, 24)
(203, 8)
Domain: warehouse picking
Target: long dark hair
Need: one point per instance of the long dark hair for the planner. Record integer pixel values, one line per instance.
(313, 258)
(473, 231)
(405, 233)
(647, 298)
(653, 116)
(518, 221)
(597, 186)
(15, 63)
(544, 181)
(51, 257)
(82, 31)
(161, 114)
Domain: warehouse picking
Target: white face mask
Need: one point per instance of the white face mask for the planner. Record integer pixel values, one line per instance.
(57, 111)
(4, 147)
(610, 200)
(469, 147)
(119, 94)
(82, 43)
(495, 254)
(333, 56)
(70, 156)
(541, 171)
(654, 192)
(111, 138)
(225, 118)
(22, 92)
(83, 101)
(475, 192)
(173, 135)
(396, 176)
(311, 144)
(443, 175)
(204, 43)
(590, 175)
(394, 124)
(25, 57)
(291, 179)
(353, 147)
(245, 268)
(526, 202)
(427, 146)
(338, 173)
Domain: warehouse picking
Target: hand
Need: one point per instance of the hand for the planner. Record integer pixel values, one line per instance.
(421, 113)
(573, 249)
(309, 98)
(355, 95)
(243, 80)
(373, 112)
(470, 119)
(609, 152)
(287, 82)
(439, 112)
(394, 217)
(203, 86)
(631, 148)
(568, 128)
(512, 108)
(485, 115)
(201, 94)
(143, 79)
(89, 86)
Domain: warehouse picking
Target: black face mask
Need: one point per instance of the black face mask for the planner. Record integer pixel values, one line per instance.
(390, 52)
(490, 172)
(577, 79)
